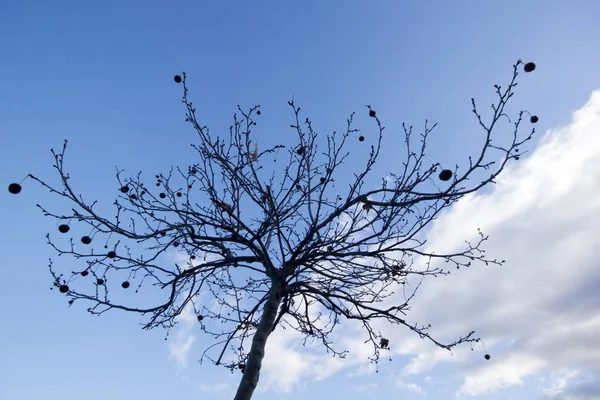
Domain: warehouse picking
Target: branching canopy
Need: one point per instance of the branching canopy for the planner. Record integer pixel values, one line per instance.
(257, 251)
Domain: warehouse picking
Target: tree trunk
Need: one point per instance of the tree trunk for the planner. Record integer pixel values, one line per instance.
(257, 351)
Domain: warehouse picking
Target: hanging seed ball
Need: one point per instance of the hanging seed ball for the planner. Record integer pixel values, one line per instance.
(86, 240)
(179, 194)
(193, 257)
(125, 285)
(163, 233)
(445, 175)
(162, 195)
(175, 244)
(372, 113)
(516, 157)
(487, 356)
(200, 317)
(125, 189)
(143, 192)
(111, 254)
(361, 138)
(14, 188)
(322, 180)
(300, 151)
(157, 183)
(63, 288)
(194, 171)
(63, 228)
(534, 119)
(529, 67)
(177, 79)
(100, 281)
(257, 112)
(84, 273)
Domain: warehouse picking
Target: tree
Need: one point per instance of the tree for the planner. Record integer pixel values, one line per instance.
(275, 250)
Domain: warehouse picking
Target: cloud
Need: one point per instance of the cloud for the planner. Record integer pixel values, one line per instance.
(180, 346)
(537, 314)
(287, 362)
(219, 387)
(180, 350)
(409, 387)
(571, 384)
(508, 372)
(367, 387)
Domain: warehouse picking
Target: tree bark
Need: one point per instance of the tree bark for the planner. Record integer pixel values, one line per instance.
(257, 351)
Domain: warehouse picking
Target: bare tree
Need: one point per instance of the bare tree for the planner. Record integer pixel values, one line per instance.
(278, 248)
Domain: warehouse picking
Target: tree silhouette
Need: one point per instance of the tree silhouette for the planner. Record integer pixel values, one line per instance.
(274, 250)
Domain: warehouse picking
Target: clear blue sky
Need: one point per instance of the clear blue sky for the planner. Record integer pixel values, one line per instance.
(100, 74)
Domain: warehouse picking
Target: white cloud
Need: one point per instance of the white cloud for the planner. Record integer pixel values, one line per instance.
(367, 387)
(219, 387)
(538, 313)
(286, 362)
(409, 387)
(559, 382)
(571, 384)
(180, 346)
(180, 350)
(508, 372)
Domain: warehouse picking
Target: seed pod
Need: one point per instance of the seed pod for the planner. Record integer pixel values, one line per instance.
(529, 67)
(14, 188)
(445, 175)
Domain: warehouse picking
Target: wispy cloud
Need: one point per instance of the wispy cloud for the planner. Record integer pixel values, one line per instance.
(181, 344)
(367, 387)
(409, 387)
(570, 384)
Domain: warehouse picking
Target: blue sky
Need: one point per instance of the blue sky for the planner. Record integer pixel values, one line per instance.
(100, 74)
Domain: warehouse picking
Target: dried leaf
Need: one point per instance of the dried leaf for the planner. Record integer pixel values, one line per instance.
(223, 205)
(255, 153)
